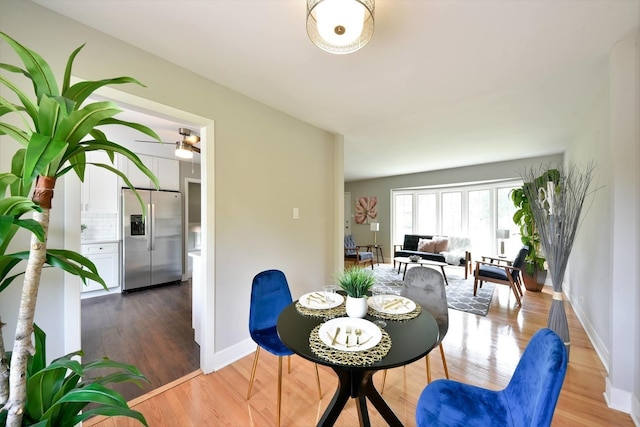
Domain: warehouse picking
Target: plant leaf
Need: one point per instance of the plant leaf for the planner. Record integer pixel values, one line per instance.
(40, 73)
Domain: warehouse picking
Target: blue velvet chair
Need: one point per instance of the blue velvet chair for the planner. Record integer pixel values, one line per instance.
(528, 400)
(270, 294)
(504, 274)
(354, 253)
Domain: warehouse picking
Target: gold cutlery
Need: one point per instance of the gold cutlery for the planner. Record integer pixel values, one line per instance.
(348, 331)
(392, 304)
(335, 337)
(320, 296)
(365, 341)
(358, 333)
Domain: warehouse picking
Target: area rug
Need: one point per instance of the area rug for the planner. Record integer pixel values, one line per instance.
(459, 292)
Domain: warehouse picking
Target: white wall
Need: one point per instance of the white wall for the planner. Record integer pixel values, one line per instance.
(603, 276)
(264, 163)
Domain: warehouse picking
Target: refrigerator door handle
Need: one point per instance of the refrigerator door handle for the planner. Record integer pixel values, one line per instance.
(153, 226)
(149, 229)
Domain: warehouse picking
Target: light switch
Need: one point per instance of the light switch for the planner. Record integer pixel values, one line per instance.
(296, 213)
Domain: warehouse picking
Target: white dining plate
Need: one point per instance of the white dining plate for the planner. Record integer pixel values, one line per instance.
(370, 334)
(320, 300)
(392, 304)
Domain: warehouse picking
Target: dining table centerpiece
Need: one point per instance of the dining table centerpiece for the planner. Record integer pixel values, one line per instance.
(356, 283)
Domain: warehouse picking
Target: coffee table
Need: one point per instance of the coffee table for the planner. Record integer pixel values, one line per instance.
(406, 261)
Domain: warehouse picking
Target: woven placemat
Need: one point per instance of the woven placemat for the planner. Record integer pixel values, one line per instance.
(350, 358)
(314, 312)
(397, 317)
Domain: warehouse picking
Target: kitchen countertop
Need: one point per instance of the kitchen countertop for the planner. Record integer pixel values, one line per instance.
(93, 242)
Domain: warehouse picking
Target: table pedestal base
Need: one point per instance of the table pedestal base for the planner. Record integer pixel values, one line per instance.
(357, 384)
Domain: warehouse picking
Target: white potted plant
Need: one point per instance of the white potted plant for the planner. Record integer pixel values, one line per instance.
(356, 282)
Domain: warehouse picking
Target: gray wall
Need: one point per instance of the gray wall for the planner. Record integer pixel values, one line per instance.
(254, 163)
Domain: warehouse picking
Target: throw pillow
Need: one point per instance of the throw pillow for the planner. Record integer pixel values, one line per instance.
(426, 245)
(441, 244)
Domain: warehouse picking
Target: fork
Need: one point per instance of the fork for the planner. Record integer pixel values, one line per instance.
(358, 333)
(348, 332)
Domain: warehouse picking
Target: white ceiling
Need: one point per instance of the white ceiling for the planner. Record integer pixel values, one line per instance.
(441, 84)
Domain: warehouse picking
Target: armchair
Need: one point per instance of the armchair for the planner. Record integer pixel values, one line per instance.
(506, 273)
(355, 253)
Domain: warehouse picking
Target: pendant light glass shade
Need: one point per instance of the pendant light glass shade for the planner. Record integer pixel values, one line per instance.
(340, 26)
(184, 150)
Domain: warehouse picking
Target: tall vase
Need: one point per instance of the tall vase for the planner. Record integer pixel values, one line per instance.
(356, 307)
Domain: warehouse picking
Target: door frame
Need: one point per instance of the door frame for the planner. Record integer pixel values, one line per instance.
(72, 320)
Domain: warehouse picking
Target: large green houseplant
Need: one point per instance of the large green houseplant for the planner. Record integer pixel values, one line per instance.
(57, 127)
(535, 272)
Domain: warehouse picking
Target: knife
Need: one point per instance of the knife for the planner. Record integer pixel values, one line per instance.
(391, 303)
(335, 337)
(365, 341)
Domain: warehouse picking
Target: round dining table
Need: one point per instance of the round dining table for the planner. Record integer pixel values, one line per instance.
(410, 340)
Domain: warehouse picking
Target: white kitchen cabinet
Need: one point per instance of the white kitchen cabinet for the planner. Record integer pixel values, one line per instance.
(105, 257)
(99, 192)
(166, 170)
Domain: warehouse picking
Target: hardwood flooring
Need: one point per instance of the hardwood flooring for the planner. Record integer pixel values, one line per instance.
(479, 350)
(148, 328)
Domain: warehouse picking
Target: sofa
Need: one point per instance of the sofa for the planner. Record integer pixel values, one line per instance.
(453, 250)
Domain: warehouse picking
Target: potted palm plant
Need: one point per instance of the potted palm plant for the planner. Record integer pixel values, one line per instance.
(356, 282)
(57, 127)
(534, 274)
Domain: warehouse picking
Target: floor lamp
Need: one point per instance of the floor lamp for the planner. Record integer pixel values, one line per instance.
(375, 227)
(502, 235)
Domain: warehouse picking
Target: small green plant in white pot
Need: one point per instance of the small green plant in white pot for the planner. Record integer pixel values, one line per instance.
(356, 282)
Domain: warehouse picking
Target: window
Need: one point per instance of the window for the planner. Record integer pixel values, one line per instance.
(475, 211)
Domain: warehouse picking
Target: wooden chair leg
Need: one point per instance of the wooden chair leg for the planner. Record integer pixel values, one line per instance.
(253, 371)
(384, 379)
(512, 285)
(288, 364)
(279, 387)
(444, 362)
(426, 358)
(318, 381)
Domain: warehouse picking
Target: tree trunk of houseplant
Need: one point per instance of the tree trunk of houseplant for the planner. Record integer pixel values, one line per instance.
(535, 282)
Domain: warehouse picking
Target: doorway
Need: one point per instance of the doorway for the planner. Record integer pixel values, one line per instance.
(127, 314)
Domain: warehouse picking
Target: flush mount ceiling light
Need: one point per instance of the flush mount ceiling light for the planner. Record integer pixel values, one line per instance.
(340, 26)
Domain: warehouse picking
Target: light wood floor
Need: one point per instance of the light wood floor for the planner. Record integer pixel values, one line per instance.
(479, 350)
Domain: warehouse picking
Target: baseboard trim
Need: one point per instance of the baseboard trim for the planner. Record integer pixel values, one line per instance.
(617, 399)
(232, 354)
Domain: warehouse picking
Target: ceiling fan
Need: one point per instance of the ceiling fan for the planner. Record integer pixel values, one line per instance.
(186, 147)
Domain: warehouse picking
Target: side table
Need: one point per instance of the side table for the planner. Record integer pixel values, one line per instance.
(377, 249)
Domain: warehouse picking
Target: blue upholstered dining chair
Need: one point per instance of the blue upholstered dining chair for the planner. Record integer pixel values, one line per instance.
(528, 400)
(355, 254)
(270, 294)
(425, 286)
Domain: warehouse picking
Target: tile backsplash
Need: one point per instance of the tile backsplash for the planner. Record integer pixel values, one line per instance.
(100, 226)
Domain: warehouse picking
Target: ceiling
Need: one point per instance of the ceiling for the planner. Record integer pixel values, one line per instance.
(441, 84)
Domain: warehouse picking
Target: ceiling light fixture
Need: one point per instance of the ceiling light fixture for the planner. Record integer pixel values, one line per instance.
(340, 26)
(183, 150)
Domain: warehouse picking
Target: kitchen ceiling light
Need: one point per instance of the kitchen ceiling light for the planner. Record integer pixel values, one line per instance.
(340, 26)
(184, 150)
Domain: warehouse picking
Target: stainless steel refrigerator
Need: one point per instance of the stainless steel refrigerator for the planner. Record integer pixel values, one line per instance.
(151, 244)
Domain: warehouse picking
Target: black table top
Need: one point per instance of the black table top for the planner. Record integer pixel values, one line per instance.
(410, 339)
